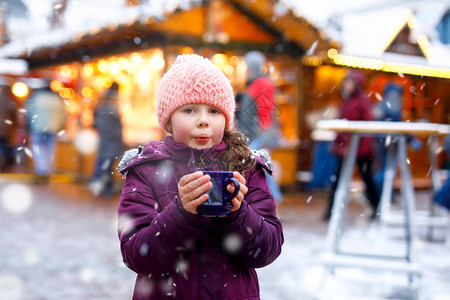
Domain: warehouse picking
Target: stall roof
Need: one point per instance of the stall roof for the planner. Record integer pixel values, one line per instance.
(84, 26)
(13, 66)
(366, 28)
(363, 28)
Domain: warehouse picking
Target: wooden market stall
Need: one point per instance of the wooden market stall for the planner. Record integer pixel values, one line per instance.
(136, 53)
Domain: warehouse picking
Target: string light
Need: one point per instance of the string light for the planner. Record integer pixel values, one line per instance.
(378, 65)
(20, 89)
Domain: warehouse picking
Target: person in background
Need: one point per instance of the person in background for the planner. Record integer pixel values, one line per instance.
(390, 110)
(7, 121)
(257, 114)
(323, 162)
(46, 116)
(177, 253)
(442, 197)
(108, 124)
(356, 106)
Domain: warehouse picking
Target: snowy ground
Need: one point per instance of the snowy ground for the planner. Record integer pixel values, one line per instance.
(61, 243)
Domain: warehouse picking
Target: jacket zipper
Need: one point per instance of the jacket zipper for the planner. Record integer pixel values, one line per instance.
(201, 163)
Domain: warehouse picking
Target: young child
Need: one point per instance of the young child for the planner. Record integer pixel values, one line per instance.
(177, 253)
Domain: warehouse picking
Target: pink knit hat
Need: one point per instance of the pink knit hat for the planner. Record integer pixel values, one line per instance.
(194, 79)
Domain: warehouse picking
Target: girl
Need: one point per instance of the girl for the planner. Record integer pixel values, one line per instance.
(177, 253)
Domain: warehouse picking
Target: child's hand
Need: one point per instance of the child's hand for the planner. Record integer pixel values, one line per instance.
(236, 202)
(192, 188)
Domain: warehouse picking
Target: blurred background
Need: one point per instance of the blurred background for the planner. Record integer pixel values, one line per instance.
(80, 48)
(84, 46)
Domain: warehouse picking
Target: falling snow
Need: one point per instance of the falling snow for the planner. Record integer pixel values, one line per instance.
(232, 243)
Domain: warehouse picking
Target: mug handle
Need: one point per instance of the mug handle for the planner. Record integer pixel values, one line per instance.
(236, 188)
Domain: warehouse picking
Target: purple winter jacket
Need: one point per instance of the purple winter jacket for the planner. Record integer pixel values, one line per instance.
(179, 255)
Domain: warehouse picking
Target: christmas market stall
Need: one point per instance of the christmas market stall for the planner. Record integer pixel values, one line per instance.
(133, 43)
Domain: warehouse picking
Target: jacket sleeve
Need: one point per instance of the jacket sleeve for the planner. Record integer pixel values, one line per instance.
(152, 241)
(255, 224)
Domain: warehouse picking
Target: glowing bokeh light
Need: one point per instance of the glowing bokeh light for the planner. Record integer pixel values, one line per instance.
(86, 141)
(16, 198)
(19, 89)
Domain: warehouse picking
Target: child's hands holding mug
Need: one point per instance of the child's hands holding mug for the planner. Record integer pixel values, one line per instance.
(192, 188)
(236, 202)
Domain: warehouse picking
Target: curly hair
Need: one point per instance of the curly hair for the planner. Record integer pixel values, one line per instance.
(238, 156)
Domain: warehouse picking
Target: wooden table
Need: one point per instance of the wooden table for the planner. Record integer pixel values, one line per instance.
(397, 132)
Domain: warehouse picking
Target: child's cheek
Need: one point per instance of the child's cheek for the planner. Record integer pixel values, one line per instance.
(181, 134)
(218, 137)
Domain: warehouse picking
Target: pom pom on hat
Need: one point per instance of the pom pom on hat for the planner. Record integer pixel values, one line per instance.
(194, 79)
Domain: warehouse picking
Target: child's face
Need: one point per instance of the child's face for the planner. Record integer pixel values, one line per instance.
(197, 125)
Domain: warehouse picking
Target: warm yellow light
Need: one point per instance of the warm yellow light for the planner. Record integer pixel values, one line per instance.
(88, 70)
(114, 68)
(64, 93)
(87, 92)
(219, 60)
(65, 72)
(143, 77)
(19, 89)
(312, 61)
(157, 62)
(424, 45)
(187, 50)
(377, 64)
(106, 82)
(136, 59)
(123, 62)
(71, 93)
(228, 70)
(73, 107)
(339, 59)
(103, 66)
(56, 85)
(332, 53)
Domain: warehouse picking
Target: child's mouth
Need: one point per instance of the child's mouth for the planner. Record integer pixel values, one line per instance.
(202, 139)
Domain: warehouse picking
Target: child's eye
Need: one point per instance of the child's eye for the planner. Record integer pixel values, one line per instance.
(188, 110)
(214, 111)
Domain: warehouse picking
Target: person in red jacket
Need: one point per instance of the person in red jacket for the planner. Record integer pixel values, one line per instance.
(256, 113)
(176, 252)
(356, 106)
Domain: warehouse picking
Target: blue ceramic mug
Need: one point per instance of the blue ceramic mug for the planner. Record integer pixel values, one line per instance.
(219, 199)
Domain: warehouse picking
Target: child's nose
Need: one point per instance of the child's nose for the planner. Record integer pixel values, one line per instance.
(203, 120)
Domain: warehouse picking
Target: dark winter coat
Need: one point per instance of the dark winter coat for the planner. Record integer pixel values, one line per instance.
(357, 108)
(179, 255)
(108, 124)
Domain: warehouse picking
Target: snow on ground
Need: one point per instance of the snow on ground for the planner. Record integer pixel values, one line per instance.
(65, 246)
